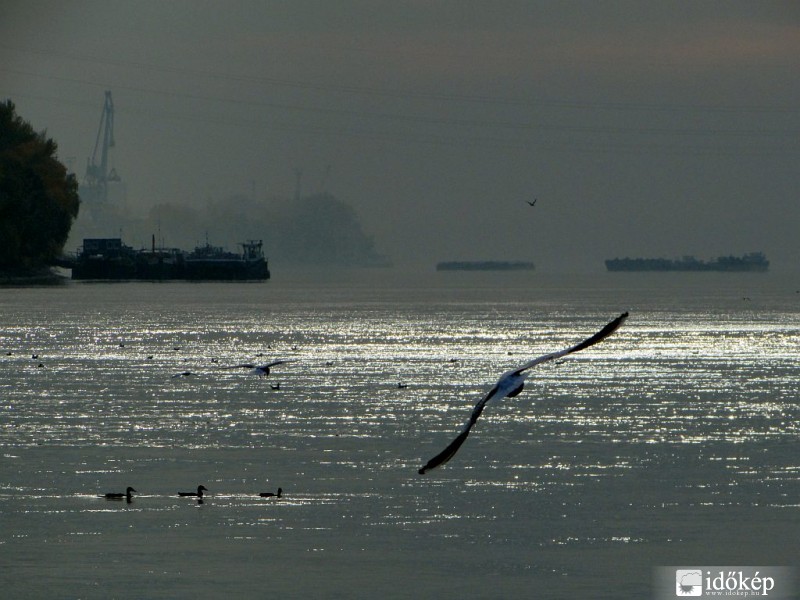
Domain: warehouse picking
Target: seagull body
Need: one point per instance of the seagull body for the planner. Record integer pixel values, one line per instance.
(260, 370)
(511, 384)
(532, 203)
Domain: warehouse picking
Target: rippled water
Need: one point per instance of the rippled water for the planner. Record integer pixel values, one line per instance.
(673, 442)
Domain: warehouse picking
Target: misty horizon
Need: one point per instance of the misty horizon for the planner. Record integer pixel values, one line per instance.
(642, 131)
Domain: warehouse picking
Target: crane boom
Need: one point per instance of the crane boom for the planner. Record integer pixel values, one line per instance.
(98, 175)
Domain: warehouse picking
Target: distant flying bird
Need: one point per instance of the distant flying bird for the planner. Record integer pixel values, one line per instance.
(510, 384)
(260, 370)
(532, 203)
(118, 495)
(197, 494)
(271, 494)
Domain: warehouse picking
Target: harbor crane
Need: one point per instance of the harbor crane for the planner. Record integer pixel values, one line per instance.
(98, 175)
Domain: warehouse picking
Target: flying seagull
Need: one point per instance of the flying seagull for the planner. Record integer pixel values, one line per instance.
(260, 370)
(532, 203)
(510, 384)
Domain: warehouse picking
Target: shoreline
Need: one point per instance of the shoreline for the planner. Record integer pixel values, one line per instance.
(43, 276)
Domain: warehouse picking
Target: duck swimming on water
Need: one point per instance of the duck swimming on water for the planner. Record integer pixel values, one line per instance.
(197, 494)
(119, 495)
(184, 374)
(272, 494)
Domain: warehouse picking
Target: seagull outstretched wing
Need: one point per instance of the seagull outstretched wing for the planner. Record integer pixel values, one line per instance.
(453, 447)
(274, 363)
(510, 384)
(591, 341)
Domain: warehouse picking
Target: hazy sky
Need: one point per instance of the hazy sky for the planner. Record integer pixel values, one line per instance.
(643, 128)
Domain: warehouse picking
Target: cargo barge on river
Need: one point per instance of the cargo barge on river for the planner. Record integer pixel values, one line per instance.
(752, 262)
(485, 265)
(111, 259)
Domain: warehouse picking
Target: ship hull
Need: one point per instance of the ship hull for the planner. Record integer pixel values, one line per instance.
(225, 270)
(749, 263)
(486, 265)
(110, 260)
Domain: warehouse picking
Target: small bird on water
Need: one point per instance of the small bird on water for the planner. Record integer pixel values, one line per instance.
(197, 494)
(184, 374)
(271, 494)
(118, 495)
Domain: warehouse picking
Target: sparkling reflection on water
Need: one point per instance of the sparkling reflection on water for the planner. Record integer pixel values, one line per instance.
(653, 448)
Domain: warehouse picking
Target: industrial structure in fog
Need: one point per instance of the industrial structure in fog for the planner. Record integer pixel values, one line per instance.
(101, 184)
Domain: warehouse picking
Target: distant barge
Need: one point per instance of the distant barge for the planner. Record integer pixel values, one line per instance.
(753, 262)
(110, 259)
(485, 265)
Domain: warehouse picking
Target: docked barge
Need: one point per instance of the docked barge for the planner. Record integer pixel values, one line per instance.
(111, 259)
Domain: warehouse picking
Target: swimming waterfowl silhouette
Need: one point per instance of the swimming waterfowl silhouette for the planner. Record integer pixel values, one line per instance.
(119, 495)
(184, 374)
(197, 494)
(271, 494)
(510, 384)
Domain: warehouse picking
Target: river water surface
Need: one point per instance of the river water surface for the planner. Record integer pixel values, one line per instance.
(673, 442)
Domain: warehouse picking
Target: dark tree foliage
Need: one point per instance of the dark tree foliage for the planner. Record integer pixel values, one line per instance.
(38, 199)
